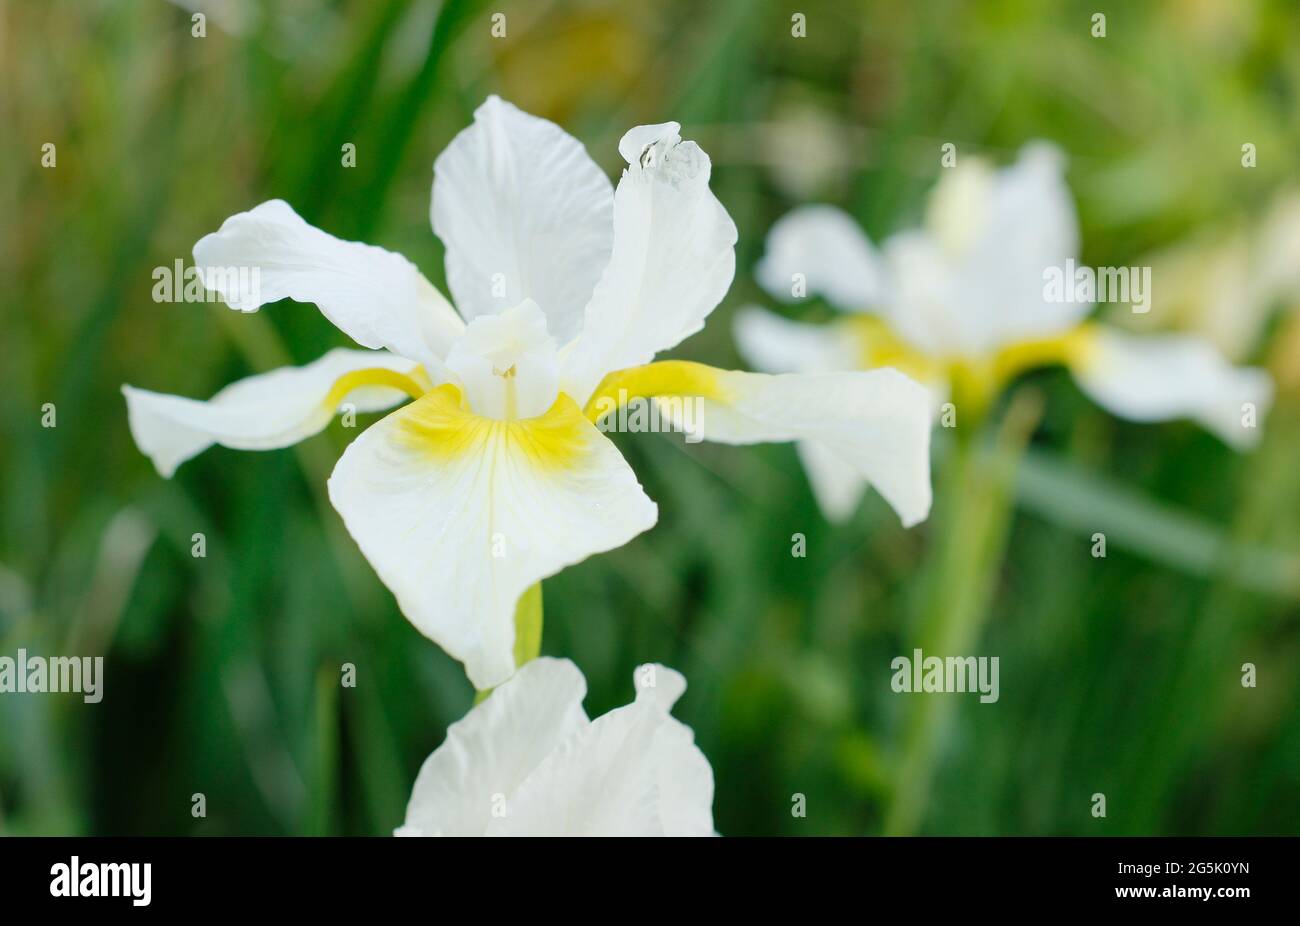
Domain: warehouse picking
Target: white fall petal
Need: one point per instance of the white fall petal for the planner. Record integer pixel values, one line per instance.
(460, 514)
(262, 412)
(1163, 377)
(527, 761)
(876, 423)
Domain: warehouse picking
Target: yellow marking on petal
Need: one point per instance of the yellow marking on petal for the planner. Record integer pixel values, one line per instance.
(376, 376)
(975, 380)
(878, 346)
(1072, 348)
(654, 380)
(441, 425)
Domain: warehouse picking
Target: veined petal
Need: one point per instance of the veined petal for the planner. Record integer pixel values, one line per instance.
(525, 214)
(673, 259)
(489, 753)
(1162, 377)
(459, 514)
(635, 771)
(269, 410)
(877, 421)
(829, 252)
(376, 297)
(774, 344)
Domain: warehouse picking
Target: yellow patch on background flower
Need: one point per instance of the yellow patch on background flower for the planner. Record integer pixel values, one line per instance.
(977, 379)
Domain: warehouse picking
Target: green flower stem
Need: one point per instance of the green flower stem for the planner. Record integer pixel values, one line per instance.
(528, 631)
(528, 625)
(974, 509)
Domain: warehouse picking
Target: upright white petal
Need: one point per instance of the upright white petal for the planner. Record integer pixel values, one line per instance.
(524, 213)
(930, 310)
(460, 514)
(488, 753)
(877, 422)
(376, 297)
(261, 412)
(673, 259)
(824, 249)
(635, 771)
(1162, 377)
(836, 484)
(1001, 231)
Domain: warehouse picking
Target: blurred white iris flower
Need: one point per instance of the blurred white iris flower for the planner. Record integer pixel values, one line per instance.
(496, 475)
(964, 304)
(528, 762)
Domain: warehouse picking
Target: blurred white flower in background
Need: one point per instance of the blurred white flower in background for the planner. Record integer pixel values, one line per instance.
(1226, 287)
(961, 304)
(528, 762)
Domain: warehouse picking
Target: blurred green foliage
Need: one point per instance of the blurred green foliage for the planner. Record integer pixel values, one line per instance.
(1119, 675)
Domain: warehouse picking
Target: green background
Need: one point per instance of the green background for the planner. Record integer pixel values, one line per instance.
(1118, 675)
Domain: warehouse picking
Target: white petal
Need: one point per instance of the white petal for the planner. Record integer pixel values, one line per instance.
(636, 771)
(376, 297)
(636, 141)
(490, 752)
(777, 345)
(261, 412)
(460, 514)
(774, 344)
(930, 310)
(877, 422)
(836, 484)
(673, 260)
(1002, 231)
(1162, 377)
(824, 248)
(525, 214)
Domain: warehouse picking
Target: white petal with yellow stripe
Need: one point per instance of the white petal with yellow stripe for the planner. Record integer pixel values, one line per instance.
(269, 410)
(459, 514)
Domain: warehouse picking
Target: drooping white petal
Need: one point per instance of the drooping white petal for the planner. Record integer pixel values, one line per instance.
(1000, 232)
(507, 363)
(773, 344)
(376, 297)
(635, 771)
(524, 213)
(876, 421)
(777, 345)
(1163, 377)
(836, 484)
(261, 412)
(673, 259)
(460, 514)
(489, 753)
(822, 250)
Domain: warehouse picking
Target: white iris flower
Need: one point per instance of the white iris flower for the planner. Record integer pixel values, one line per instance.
(964, 304)
(496, 475)
(528, 762)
